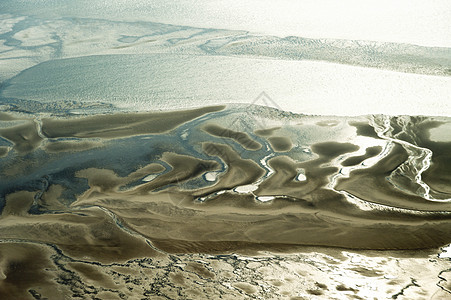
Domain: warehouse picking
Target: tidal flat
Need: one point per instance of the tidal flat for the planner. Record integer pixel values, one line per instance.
(224, 149)
(236, 201)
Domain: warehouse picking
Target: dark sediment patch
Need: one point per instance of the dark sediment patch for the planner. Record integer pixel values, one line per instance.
(280, 143)
(364, 129)
(367, 272)
(266, 132)
(241, 138)
(24, 136)
(355, 160)
(277, 142)
(315, 292)
(27, 271)
(330, 150)
(122, 124)
(321, 285)
(343, 288)
(3, 151)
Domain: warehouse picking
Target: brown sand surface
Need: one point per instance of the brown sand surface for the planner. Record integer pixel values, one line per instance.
(355, 160)
(28, 267)
(120, 125)
(31, 270)
(280, 143)
(24, 136)
(88, 233)
(240, 137)
(163, 207)
(114, 223)
(3, 151)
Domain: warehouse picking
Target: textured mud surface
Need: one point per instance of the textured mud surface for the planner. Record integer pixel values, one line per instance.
(224, 203)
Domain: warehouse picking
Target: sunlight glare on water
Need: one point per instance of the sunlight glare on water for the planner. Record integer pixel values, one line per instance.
(404, 21)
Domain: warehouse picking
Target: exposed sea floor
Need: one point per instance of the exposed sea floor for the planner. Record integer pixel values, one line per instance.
(225, 150)
(237, 201)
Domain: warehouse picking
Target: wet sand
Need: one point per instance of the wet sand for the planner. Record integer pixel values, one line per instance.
(112, 190)
(120, 125)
